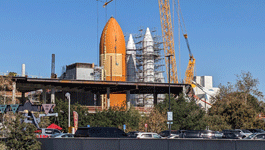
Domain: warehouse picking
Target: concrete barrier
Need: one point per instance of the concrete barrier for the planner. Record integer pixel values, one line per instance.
(250, 144)
(148, 144)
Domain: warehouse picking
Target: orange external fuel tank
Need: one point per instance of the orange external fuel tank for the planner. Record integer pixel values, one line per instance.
(112, 57)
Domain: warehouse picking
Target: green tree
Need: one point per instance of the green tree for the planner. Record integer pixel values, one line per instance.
(234, 112)
(237, 106)
(62, 109)
(247, 85)
(5, 84)
(217, 122)
(186, 113)
(44, 122)
(112, 117)
(116, 117)
(155, 120)
(20, 136)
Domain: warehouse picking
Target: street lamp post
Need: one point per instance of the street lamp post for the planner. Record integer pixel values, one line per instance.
(169, 89)
(68, 97)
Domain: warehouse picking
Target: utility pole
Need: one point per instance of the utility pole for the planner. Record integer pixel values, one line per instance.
(68, 97)
(170, 115)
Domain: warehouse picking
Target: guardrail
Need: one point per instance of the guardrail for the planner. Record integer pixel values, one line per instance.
(152, 144)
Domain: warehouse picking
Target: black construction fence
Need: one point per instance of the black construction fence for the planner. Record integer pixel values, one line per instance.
(149, 144)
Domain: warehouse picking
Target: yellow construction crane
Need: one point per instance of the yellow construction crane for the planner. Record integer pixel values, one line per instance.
(168, 39)
(190, 69)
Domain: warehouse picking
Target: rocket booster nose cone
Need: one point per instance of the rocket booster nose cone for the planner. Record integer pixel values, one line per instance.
(130, 45)
(148, 36)
(131, 38)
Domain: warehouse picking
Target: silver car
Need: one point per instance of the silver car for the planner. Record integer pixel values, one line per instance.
(256, 136)
(147, 135)
(62, 135)
(244, 132)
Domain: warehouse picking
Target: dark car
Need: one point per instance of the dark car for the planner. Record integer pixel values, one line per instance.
(133, 134)
(101, 132)
(236, 132)
(256, 130)
(208, 134)
(218, 134)
(178, 134)
(192, 134)
(166, 133)
(205, 134)
(230, 135)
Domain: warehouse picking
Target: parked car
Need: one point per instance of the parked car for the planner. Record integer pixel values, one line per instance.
(237, 133)
(230, 135)
(102, 132)
(256, 130)
(132, 134)
(218, 134)
(62, 135)
(46, 132)
(192, 134)
(179, 134)
(148, 135)
(205, 134)
(244, 132)
(166, 133)
(256, 136)
(208, 134)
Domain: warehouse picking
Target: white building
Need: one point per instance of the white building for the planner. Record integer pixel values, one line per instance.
(206, 91)
(79, 71)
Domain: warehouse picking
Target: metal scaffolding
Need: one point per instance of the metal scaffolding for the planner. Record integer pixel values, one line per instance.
(149, 64)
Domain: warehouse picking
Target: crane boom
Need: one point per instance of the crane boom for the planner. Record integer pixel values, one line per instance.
(168, 38)
(190, 69)
(106, 3)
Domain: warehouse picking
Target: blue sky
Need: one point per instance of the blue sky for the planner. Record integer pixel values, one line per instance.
(225, 36)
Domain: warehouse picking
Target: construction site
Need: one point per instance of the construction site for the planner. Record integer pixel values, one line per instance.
(127, 65)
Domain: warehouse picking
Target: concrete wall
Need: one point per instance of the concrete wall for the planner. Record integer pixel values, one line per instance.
(84, 73)
(70, 74)
(150, 144)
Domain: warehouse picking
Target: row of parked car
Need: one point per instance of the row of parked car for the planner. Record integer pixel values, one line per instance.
(208, 134)
(112, 132)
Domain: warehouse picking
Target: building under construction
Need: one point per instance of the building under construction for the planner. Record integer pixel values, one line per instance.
(145, 59)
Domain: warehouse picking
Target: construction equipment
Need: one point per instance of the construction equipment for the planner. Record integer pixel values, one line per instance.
(208, 92)
(190, 69)
(168, 40)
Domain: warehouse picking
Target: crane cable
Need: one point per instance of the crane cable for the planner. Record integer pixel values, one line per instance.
(98, 55)
(182, 25)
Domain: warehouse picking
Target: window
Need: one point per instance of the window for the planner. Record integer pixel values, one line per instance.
(147, 135)
(230, 135)
(56, 131)
(156, 136)
(260, 136)
(82, 132)
(48, 131)
(70, 135)
(246, 131)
